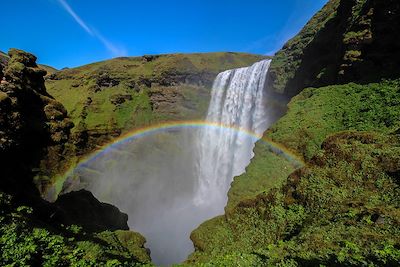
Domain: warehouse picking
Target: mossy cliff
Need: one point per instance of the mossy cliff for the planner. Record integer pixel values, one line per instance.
(347, 41)
(342, 207)
(4, 58)
(34, 130)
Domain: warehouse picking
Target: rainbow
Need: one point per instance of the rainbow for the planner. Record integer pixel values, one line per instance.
(138, 133)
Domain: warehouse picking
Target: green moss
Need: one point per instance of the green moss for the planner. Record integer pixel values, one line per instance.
(352, 55)
(316, 113)
(354, 37)
(267, 170)
(340, 210)
(26, 241)
(357, 8)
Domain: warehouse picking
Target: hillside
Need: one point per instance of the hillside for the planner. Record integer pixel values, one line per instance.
(107, 98)
(342, 207)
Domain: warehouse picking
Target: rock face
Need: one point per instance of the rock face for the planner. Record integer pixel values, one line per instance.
(3, 59)
(34, 126)
(347, 40)
(82, 208)
(34, 129)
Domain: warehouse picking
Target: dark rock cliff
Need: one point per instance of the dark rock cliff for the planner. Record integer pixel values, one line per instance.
(347, 40)
(33, 126)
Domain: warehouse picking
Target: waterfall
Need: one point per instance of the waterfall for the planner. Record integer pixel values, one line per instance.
(170, 181)
(237, 101)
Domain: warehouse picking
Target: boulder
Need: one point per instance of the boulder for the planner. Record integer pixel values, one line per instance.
(82, 208)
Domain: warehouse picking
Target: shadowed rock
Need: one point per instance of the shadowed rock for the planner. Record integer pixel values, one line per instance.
(82, 208)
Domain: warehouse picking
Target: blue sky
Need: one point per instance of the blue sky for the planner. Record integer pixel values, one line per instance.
(68, 33)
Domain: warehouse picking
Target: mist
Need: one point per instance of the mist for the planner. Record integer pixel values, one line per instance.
(153, 179)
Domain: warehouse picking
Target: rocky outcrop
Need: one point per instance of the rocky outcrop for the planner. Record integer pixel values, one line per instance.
(34, 127)
(34, 135)
(120, 99)
(82, 208)
(347, 40)
(3, 59)
(104, 80)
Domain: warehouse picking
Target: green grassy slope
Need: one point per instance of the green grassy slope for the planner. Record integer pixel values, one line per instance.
(49, 69)
(107, 98)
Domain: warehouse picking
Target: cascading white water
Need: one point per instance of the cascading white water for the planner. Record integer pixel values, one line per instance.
(237, 101)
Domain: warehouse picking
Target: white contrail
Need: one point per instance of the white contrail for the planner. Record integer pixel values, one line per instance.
(115, 51)
(68, 8)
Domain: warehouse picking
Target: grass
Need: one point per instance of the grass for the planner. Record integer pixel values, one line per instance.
(316, 113)
(73, 100)
(354, 37)
(134, 113)
(267, 170)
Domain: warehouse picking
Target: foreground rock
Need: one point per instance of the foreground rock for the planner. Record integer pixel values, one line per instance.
(82, 208)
